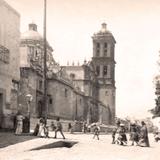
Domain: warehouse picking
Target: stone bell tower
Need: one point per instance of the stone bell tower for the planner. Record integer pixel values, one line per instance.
(104, 64)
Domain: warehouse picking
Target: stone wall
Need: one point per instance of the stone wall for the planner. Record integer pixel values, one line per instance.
(66, 102)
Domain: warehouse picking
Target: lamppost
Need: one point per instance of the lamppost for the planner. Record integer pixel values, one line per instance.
(29, 99)
(45, 60)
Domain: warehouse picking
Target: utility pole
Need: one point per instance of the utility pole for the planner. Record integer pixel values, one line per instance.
(45, 60)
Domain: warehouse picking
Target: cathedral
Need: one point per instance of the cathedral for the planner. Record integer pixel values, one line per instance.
(74, 92)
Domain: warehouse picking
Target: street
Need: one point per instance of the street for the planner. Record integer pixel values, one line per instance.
(85, 148)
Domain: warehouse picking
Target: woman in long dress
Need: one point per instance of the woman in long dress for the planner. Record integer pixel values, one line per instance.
(144, 141)
(41, 128)
(19, 124)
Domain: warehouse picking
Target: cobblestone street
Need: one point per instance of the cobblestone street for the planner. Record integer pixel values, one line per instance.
(20, 148)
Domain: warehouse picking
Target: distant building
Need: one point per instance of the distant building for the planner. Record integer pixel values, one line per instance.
(9, 63)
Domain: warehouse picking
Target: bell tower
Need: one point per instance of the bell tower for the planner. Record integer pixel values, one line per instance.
(104, 64)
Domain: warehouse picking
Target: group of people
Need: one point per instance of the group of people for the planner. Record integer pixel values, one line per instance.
(138, 135)
(42, 130)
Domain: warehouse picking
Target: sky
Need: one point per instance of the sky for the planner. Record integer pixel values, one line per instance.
(135, 26)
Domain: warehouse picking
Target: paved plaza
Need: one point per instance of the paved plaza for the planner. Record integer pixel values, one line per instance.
(30, 148)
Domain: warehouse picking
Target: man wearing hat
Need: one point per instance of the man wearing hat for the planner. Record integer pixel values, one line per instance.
(133, 133)
(122, 134)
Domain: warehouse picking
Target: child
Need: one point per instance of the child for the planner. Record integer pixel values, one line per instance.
(53, 127)
(113, 135)
(96, 131)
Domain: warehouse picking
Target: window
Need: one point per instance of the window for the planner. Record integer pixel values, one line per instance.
(98, 70)
(97, 49)
(65, 92)
(97, 52)
(105, 52)
(105, 70)
(80, 101)
(105, 45)
(4, 54)
(50, 101)
(36, 54)
(105, 49)
(72, 76)
(40, 84)
(98, 45)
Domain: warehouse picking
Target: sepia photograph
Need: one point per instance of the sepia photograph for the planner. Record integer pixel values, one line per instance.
(79, 79)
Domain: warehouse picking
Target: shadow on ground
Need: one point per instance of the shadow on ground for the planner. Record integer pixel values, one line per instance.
(9, 138)
(57, 144)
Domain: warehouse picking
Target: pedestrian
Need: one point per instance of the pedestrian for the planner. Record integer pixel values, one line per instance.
(58, 128)
(41, 132)
(19, 123)
(144, 140)
(36, 130)
(122, 138)
(96, 131)
(134, 134)
(70, 128)
(114, 131)
(46, 131)
(84, 127)
(89, 128)
(113, 135)
(157, 136)
(53, 127)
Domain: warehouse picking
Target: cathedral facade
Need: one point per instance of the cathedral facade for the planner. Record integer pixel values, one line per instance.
(74, 92)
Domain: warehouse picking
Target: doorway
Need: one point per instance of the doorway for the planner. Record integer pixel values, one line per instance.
(40, 109)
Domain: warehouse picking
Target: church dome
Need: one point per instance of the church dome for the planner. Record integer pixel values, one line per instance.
(32, 33)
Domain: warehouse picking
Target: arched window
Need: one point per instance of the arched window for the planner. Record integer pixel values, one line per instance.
(105, 49)
(97, 49)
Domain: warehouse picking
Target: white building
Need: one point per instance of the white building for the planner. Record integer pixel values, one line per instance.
(9, 63)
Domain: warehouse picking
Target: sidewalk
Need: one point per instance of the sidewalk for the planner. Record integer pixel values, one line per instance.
(9, 138)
